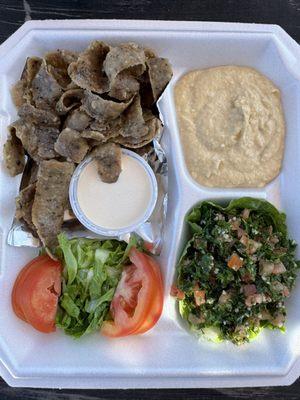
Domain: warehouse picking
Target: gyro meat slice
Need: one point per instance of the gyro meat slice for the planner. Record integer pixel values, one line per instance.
(99, 132)
(160, 74)
(20, 91)
(154, 129)
(68, 100)
(71, 145)
(124, 86)
(45, 89)
(78, 120)
(126, 56)
(123, 64)
(133, 123)
(24, 202)
(100, 108)
(51, 199)
(47, 136)
(109, 129)
(37, 141)
(38, 116)
(108, 158)
(26, 133)
(87, 71)
(94, 136)
(57, 63)
(14, 155)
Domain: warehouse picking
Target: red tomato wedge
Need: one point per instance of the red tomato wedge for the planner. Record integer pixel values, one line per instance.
(36, 292)
(158, 301)
(138, 300)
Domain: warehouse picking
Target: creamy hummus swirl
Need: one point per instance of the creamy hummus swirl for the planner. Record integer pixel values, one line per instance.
(231, 125)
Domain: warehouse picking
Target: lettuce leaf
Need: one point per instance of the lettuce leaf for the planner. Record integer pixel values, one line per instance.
(263, 207)
(92, 269)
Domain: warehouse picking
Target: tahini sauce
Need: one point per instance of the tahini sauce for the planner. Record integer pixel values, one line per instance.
(115, 205)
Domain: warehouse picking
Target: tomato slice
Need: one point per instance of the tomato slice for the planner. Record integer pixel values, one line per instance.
(16, 292)
(158, 301)
(136, 297)
(36, 291)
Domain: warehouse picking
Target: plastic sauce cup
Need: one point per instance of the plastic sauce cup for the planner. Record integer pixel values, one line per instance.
(88, 222)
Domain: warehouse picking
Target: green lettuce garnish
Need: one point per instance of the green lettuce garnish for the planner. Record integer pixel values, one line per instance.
(92, 270)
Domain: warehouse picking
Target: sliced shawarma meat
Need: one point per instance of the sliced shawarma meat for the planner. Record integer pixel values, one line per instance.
(14, 156)
(71, 145)
(154, 129)
(102, 109)
(45, 89)
(133, 120)
(87, 71)
(94, 136)
(99, 132)
(126, 56)
(57, 63)
(24, 202)
(160, 74)
(108, 158)
(123, 65)
(37, 141)
(26, 133)
(20, 92)
(125, 86)
(47, 136)
(51, 199)
(108, 129)
(77, 119)
(69, 99)
(37, 116)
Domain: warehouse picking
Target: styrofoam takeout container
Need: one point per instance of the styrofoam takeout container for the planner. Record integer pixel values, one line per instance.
(167, 356)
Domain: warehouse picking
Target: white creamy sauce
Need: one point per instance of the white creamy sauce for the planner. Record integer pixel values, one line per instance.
(115, 205)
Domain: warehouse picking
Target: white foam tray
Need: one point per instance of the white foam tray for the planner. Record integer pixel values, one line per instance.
(167, 356)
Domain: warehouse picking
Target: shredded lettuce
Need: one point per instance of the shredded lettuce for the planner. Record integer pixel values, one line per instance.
(92, 269)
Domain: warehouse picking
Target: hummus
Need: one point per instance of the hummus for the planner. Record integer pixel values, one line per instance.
(231, 125)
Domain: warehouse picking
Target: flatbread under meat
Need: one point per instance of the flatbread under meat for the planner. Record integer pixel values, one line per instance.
(14, 155)
(45, 89)
(78, 120)
(100, 108)
(108, 158)
(24, 202)
(37, 116)
(87, 71)
(69, 99)
(71, 145)
(57, 63)
(51, 199)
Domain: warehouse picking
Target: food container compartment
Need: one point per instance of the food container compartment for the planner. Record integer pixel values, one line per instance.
(29, 358)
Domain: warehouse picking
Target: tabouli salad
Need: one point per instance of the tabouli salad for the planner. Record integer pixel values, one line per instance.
(236, 271)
